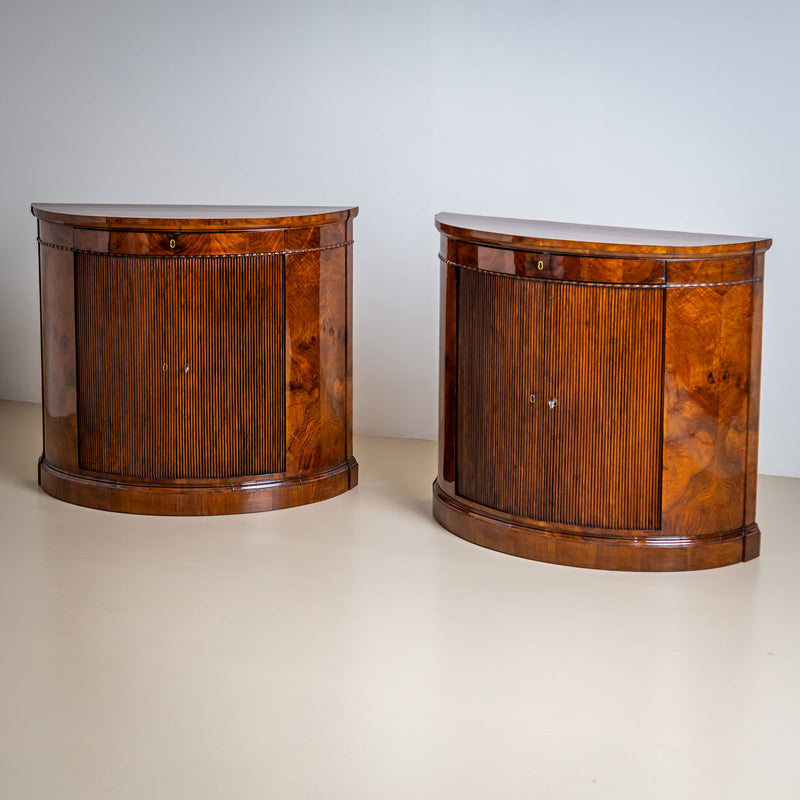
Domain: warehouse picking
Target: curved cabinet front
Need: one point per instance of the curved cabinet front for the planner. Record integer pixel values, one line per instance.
(193, 369)
(599, 399)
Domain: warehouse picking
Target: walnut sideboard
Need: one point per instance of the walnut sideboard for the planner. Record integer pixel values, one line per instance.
(196, 359)
(599, 392)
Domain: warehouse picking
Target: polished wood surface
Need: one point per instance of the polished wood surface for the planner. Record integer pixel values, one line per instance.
(524, 234)
(187, 217)
(600, 411)
(196, 373)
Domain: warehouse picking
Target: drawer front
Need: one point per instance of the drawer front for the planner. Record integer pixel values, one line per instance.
(607, 270)
(177, 243)
(555, 266)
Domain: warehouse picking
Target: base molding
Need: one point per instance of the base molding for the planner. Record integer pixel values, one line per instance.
(196, 497)
(636, 553)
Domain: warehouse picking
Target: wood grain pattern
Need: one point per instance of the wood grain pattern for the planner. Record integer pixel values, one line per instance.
(647, 457)
(212, 371)
(707, 383)
(316, 413)
(720, 270)
(178, 243)
(554, 266)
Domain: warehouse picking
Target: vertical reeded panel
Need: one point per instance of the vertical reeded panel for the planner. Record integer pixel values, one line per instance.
(181, 365)
(596, 352)
(500, 441)
(605, 371)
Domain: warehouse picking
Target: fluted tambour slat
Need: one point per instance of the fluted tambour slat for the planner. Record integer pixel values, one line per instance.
(605, 354)
(498, 461)
(593, 460)
(223, 317)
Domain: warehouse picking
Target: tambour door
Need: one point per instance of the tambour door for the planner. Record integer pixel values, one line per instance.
(603, 382)
(501, 443)
(181, 365)
(587, 450)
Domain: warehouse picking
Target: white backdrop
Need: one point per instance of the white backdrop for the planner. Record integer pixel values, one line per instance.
(680, 115)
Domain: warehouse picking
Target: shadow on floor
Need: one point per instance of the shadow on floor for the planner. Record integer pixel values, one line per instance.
(21, 435)
(400, 470)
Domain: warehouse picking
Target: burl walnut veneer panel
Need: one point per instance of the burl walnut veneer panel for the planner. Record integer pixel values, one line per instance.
(599, 405)
(196, 360)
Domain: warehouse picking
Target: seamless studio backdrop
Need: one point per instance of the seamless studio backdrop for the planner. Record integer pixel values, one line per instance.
(679, 115)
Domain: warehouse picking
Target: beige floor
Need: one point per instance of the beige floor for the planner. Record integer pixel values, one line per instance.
(355, 649)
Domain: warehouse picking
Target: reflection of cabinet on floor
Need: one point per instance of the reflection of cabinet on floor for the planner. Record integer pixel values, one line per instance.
(196, 360)
(599, 393)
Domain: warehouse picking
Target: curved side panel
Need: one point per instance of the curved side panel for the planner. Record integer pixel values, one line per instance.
(59, 386)
(316, 344)
(707, 380)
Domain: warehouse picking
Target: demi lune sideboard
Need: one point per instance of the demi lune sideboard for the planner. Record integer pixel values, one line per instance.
(196, 359)
(599, 392)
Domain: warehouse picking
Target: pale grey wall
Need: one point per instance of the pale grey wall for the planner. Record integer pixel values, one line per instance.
(680, 115)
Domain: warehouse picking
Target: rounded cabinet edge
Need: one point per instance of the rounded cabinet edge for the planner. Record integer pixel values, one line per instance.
(235, 495)
(540, 542)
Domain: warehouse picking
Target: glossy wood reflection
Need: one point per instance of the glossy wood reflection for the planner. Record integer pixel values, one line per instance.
(599, 411)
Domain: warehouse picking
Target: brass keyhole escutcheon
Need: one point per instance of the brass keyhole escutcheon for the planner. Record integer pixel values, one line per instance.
(172, 243)
(164, 367)
(553, 403)
(533, 398)
(540, 265)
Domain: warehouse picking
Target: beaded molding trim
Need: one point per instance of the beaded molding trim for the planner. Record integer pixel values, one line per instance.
(193, 255)
(605, 285)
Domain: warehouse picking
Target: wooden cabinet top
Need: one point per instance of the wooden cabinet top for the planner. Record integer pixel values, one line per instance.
(564, 237)
(178, 217)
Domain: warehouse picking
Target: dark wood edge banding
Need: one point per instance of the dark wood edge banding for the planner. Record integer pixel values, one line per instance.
(237, 495)
(645, 553)
(575, 239)
(207, 256)
(606, 285)
(184, 218)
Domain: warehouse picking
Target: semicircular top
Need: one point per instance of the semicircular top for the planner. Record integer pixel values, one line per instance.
(528, 234)
(177, 218)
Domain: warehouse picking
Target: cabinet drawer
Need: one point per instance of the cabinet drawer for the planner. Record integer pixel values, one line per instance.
(607, 270)
(554, 266)
(165, 243)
